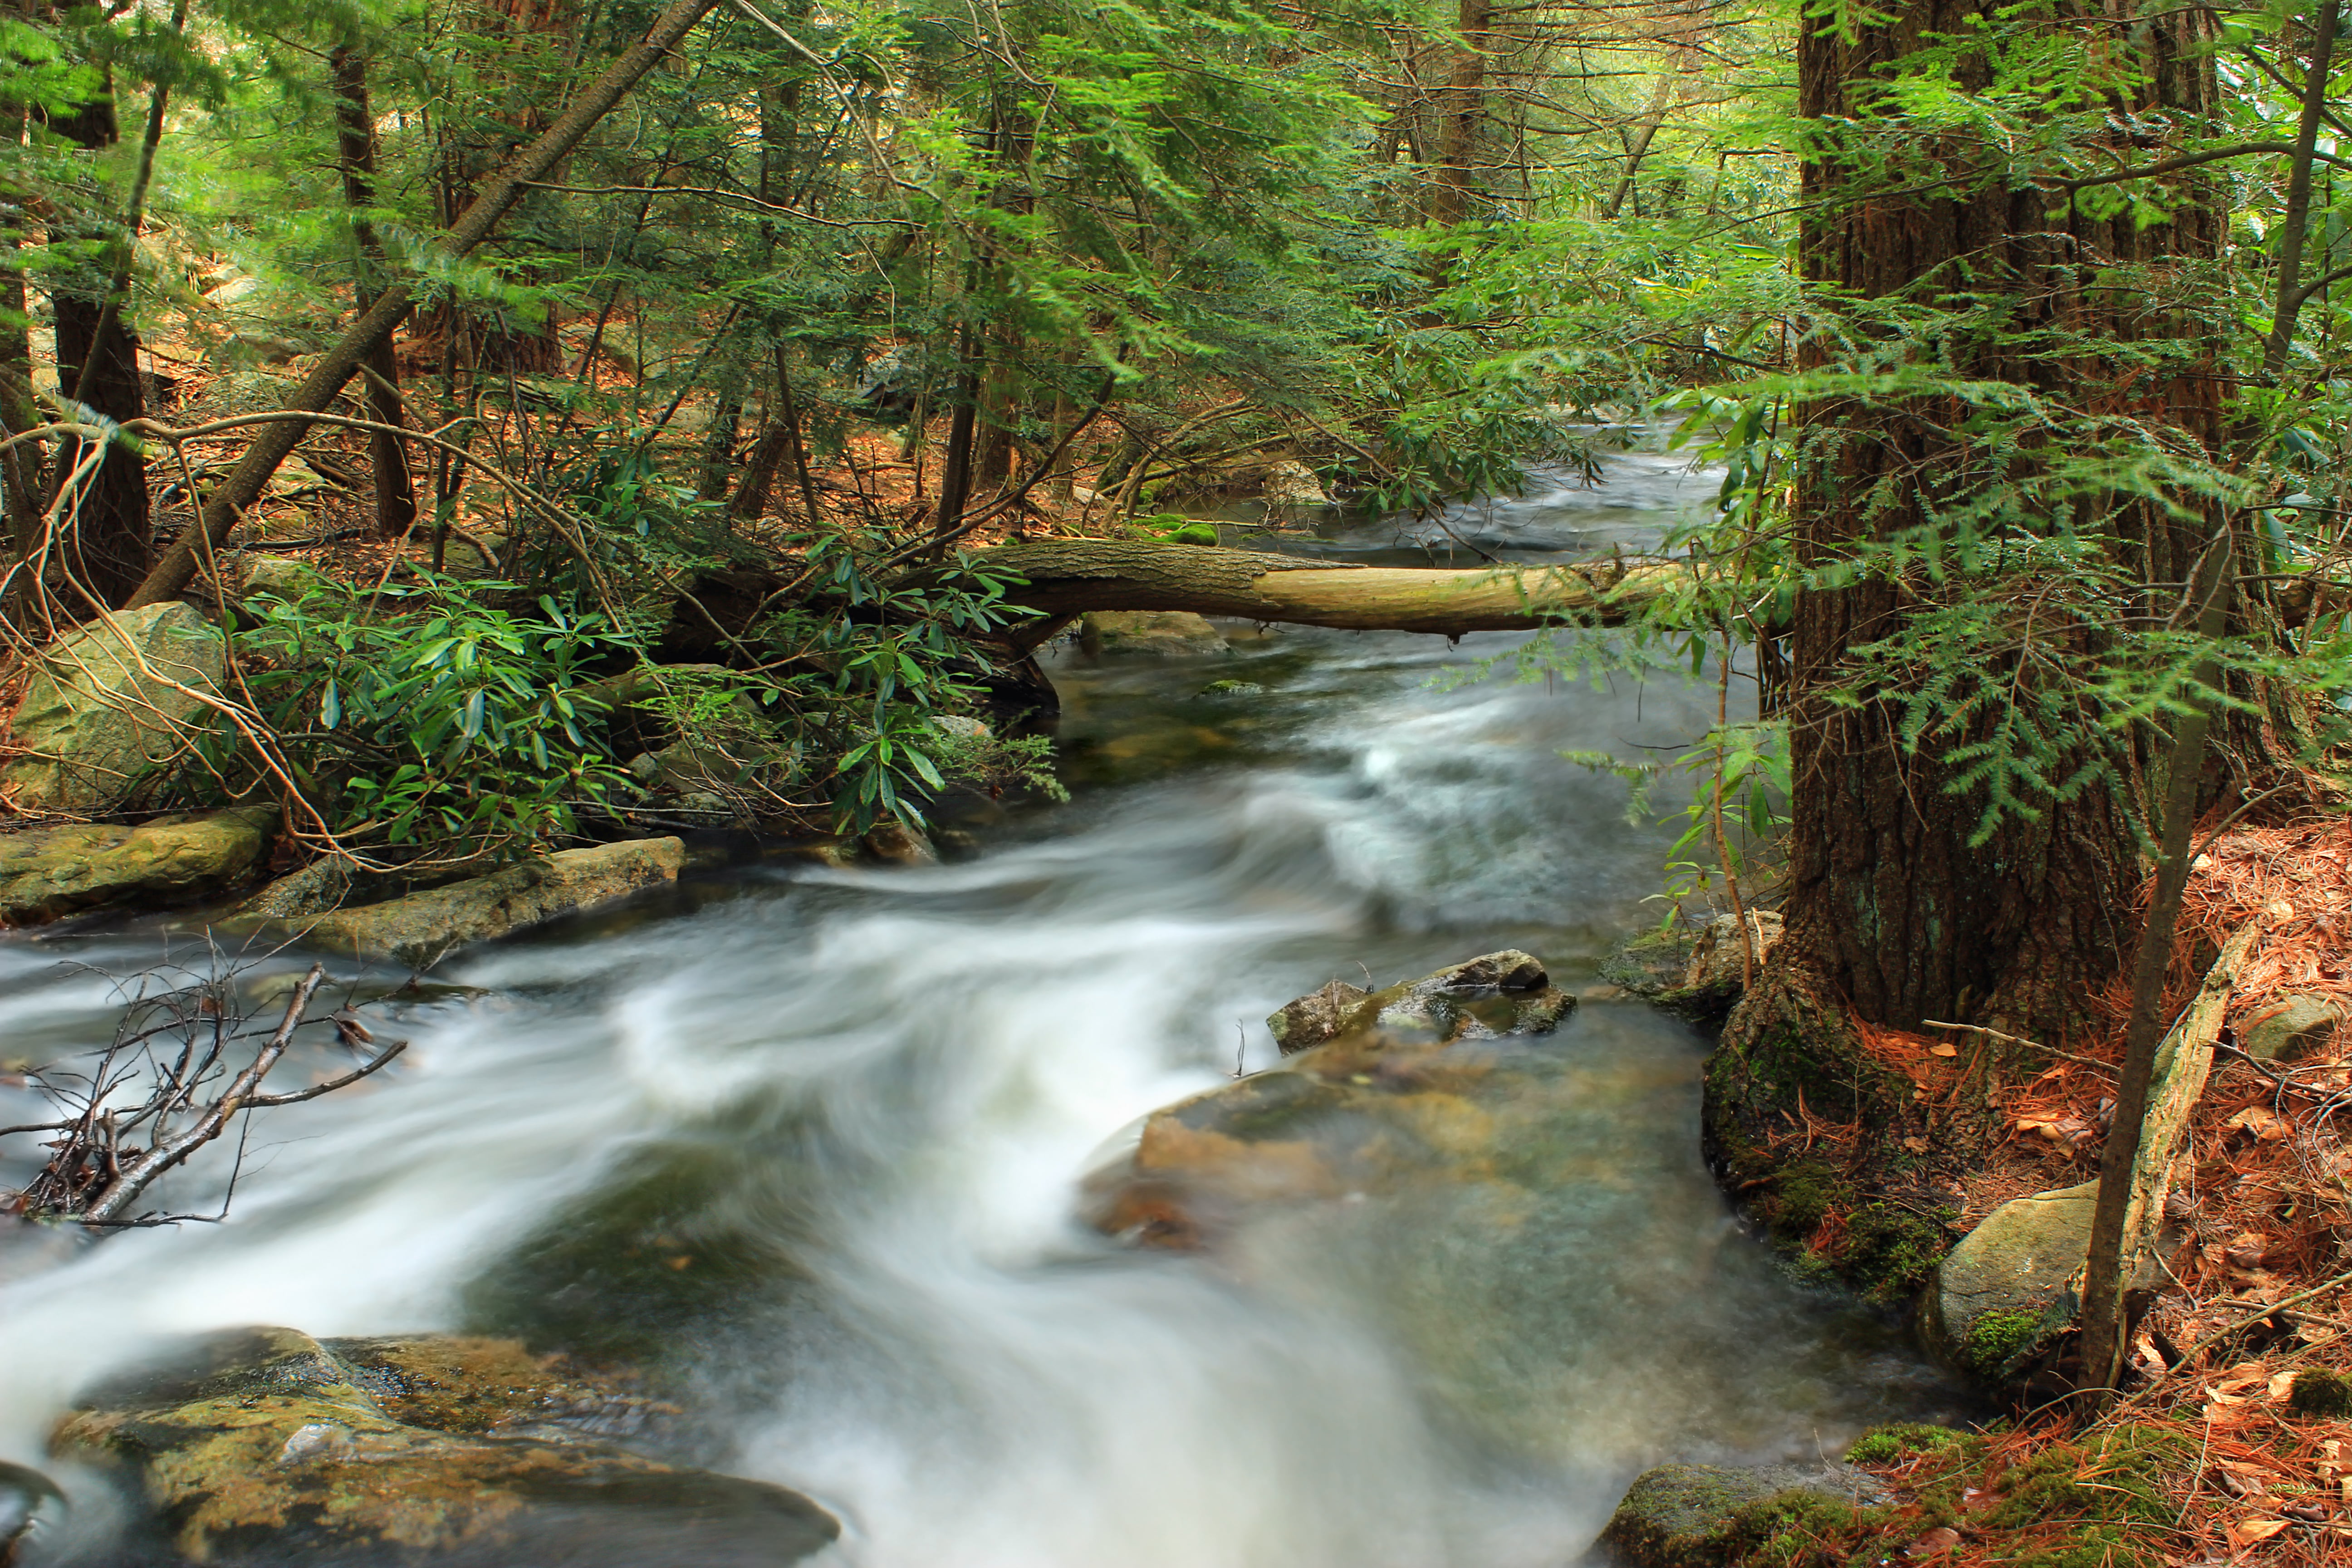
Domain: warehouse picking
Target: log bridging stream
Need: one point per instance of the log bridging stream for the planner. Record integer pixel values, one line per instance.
(1067, 576)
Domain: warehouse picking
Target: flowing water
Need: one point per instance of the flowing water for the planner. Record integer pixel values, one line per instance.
(807, 1144)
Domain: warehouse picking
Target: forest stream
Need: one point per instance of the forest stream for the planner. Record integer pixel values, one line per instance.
(806, 1144)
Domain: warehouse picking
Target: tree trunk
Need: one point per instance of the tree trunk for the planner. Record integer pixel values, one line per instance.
(395, 490)
(1462, 115)
(1890, 904)
(103, 546)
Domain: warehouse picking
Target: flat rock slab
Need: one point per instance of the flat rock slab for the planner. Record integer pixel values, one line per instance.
(2008, 1277)
(1688, 1516)
(421, 928)
(264, 1446)
(1420, 1084)
(110, 705)
(50, 872)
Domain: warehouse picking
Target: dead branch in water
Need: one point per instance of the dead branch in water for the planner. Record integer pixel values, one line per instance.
(143, 1108)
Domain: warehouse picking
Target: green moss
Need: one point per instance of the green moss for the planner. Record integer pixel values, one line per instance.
(2319, 1392)
(1997, 1337)
(1789, 1530)
(2118, 1480)
(1889, 1443)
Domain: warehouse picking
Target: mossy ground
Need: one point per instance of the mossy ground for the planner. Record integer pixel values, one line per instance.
(2017, 1498)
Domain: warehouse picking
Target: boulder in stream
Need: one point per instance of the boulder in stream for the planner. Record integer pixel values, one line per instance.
(267, 1445)
(1401, 1090)
(2008, 1286)
(111, 706)
(50, 872)
(419, 928)
(1698, 1516)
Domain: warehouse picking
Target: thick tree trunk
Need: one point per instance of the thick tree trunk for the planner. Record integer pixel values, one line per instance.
(1890, 904)
(1066, 575)
(1462, 115)
(395, 490)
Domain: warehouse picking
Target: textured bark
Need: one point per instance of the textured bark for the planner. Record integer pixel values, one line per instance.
(1889, 903)
(103, 544)
(1462, 115)
(395, 489)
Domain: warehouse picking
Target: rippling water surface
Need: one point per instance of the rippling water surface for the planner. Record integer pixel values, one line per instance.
(806, 1143)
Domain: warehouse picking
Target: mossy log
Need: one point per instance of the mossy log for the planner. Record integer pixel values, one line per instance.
(1063, 576)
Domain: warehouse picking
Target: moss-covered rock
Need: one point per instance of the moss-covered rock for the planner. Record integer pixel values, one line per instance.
(267, 1445)
(111, 706)
(1163, 634)
(2005, 1289)
(1706, 1516)
(1858, 1212)
(2318, 1392)
(417, 929)
(2291, 1029)
(48, 872)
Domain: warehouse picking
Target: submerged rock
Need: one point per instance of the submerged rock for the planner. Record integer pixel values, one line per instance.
(418, 928)
(270, 1446)
(1698, 1516)
(48, 872)
(1385, 1100)
(2008, 1286)
(1159, 633)
(893, 842)
(109, 706)
(2291, 1028)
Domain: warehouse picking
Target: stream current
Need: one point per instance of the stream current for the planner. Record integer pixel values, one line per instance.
(807, 1144)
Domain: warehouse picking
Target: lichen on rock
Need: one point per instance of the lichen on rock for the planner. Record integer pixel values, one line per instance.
(46, 873)
(112, 706)
(268, 1445)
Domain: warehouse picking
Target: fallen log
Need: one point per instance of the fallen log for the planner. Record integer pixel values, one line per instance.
(1064, 576)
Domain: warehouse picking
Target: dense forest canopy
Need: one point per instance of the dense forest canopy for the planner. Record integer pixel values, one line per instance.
(715, 345)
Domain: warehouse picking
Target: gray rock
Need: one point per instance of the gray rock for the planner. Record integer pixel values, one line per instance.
(1232, 688)
(417, 929)
(1688, 1516)
(48, 872)
(1505, 993)
(1314, 1018)
(961, 727)
(2009, 1284)
(110, 708)
(1291, 483)
(1716, 965)
(267, 1445)
(329, 883)
(1161, 634)
(2291, 1028)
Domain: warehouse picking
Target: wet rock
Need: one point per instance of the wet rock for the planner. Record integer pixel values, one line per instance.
(105, 714)
(48, 872)
(418, 928)
(1505, 993)
(1158, 633)
(1698, 1516)
(961, 727)
(267, 1445)
(27, 1496)
(329, 883)
(896, 844)
(1385, 1101)
(2008, 1286)
(1232, 688)
(1717, 966)
(2291, 1028)
(1314, 1018)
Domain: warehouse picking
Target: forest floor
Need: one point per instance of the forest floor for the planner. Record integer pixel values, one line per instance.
(2205, 1460)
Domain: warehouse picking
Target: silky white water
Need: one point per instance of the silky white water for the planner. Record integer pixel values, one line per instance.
(806, 1144)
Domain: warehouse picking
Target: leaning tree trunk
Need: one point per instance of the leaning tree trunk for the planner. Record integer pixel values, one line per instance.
(1890, 905)
(102, 547)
